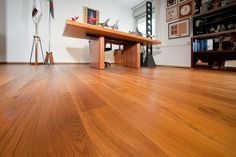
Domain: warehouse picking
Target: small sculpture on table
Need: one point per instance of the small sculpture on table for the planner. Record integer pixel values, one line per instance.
(104, 24)
(137, 32)
(115, 26)
(75, 18)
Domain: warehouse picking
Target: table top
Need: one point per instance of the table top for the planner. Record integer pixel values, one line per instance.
(86, 31)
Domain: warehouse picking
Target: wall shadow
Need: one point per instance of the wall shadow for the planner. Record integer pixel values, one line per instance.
(3, 32)
(80, 55)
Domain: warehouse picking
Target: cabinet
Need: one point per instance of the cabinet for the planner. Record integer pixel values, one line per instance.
(213, 42)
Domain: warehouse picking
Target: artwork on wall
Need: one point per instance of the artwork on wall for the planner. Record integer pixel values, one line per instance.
(172, 13)
(179, 29)
(91, 16)
(185, 10)
(181, 1)
(171, 2)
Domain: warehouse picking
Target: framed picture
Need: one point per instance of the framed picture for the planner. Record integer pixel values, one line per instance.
(91, 16)
(185, 10)
(179, 29)
(181, 1)
(171, 13)
(171, 2)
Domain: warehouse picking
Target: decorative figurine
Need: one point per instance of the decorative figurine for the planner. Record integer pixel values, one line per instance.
(233, 43)
(104, 24)
(223, 3)
(199, 26)
(138, 32)
(197, 5)
(131, 32)
(115, 26)
(220, 28)
(212, 29)
(220, 43)
(216, 4)
(210, 6)
(230, 26)
(234, 46)
(204, 6)
(75, 18)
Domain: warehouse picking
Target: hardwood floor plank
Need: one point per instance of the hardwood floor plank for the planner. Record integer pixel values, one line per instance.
(126, 108)
(85, 99)
(160, 88)
(114, 136)
(13, 113)
(12, 81)
(73, 110)
(46, 123)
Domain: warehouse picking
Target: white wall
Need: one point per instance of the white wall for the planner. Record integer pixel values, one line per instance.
(174, 52)
(2, 31)
(17, 33)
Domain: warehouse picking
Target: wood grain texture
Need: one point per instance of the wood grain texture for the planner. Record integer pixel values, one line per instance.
(80, 30)
(97, 55)
(74, 110)
(131, 56)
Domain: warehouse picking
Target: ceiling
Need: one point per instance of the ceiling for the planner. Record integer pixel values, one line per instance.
(130, 3)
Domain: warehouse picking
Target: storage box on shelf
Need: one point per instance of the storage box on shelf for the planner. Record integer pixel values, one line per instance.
(214, 37)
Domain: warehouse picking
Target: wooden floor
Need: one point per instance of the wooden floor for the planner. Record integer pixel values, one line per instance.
(76, 111)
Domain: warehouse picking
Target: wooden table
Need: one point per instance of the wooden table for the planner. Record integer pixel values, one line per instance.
(98, 36)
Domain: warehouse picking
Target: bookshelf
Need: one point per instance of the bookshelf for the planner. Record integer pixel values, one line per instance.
(213, 43)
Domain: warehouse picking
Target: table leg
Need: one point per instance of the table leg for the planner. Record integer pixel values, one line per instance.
(131, 55)
(97, 53)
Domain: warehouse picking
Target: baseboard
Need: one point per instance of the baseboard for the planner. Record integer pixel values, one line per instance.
(14, 62)
(69, 63)
(174, 66)
(170, 66)
(55, 63)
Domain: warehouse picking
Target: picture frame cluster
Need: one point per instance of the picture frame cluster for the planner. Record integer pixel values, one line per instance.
(178, 11)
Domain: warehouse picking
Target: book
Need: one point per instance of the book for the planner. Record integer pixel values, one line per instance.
(195, 46)
(209, 45)
(230, 63)
(203, 45)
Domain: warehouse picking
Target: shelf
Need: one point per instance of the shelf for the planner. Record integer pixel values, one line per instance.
(213, 52)
(214, 10)
(210, 35)
(201, 26)
(209, 67)
(220, 20)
